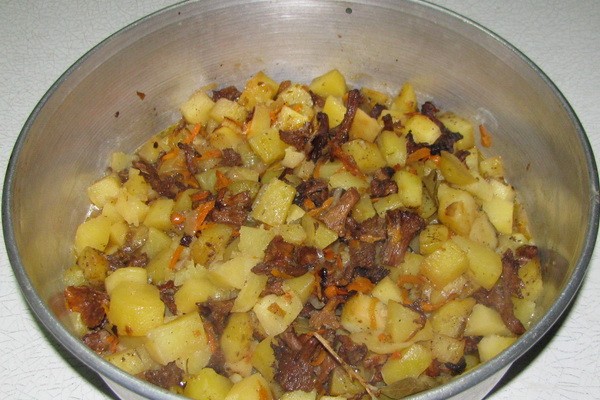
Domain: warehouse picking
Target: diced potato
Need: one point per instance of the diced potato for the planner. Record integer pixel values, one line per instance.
(268, 145)
(132, 209)
(381, 343)
(346, 180)
(410, 188)
(158, 267)
(295, 94)
(94, 233)
(406, 101)
(299, 395)
(254, 387)
(500, 213)
(387, 290)
(233, 273)
(93, 264)
(250, 292)
(194, 290)
(227, 109)
(342, 384)
(328, 168)
(363, 209)
(450, 319)
(254, 241)
(445, 264)
(485, 321)
(236, 339)
(483, 232)
(275, 313)
(402, 322)
(135, 308)
(289, 120)
(447, 349)
(332, 83)
(317, 234)
(292, 157)
(366, 155)
(118, 233)
(292, 233)
(120, 161)
(364, 127)
(207, 385)
(389, 202)
(458, 124)
(374, 97)
(197, 108)
(531, 276)
(156, 242)
(453, 170)
(104, 190)
(294, 214)
(259, 89)
(159, 214)
(393, 148)
(363, 313)
(492, 167)
(130, 361)
(457, 209)
(335, 110)
(211, 243)
(180, 339)
(432, 237)
(137, 186)
(485, 265)
(225, 137)
(423, 129)
(127, 275)
(490, 346)
(411, 364)
(524, 310)
(273, 202)
(302, 285)
(263, 358)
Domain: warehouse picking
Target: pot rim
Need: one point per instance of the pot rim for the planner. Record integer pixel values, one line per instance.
(76, 347)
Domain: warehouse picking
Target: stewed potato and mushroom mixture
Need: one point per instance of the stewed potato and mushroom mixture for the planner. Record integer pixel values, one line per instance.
(306, 242)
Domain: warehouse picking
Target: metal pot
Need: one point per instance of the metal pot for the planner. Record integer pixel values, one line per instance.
(94, 109)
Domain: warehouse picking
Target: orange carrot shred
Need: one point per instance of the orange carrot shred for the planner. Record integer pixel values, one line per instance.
(203, 210)
(171, 154)
(175, 257)
(486, 138)
(193, 133)
(436, 160)
(361, 284)
(222, 180)
(347, 160)
(280, 274)
(210, 154)
(177, 218)
(418, 155)
(199, 196)
(319, 359)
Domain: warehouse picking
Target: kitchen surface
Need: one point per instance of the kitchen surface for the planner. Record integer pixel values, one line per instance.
(41, 39)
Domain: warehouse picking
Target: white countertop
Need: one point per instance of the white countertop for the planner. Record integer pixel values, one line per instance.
(41, 39)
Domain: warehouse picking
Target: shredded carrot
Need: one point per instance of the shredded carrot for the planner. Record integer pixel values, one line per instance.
(319, 359)
(193, 133)
(222, 180)
(361, 284)
(175, 257)
(210, 154)
(396, 355)
(329, 254)
(309, 204)
(199, 196)
(324, 206)
(418, 155)
(177, 218)
(203, 210)
(412, 279)
(171, 154)
(332, 291)
(486, 138)
(317, 169)
(280, 274)
(348, 161)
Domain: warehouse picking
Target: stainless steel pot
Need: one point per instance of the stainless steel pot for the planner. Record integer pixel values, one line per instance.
(93, 110)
